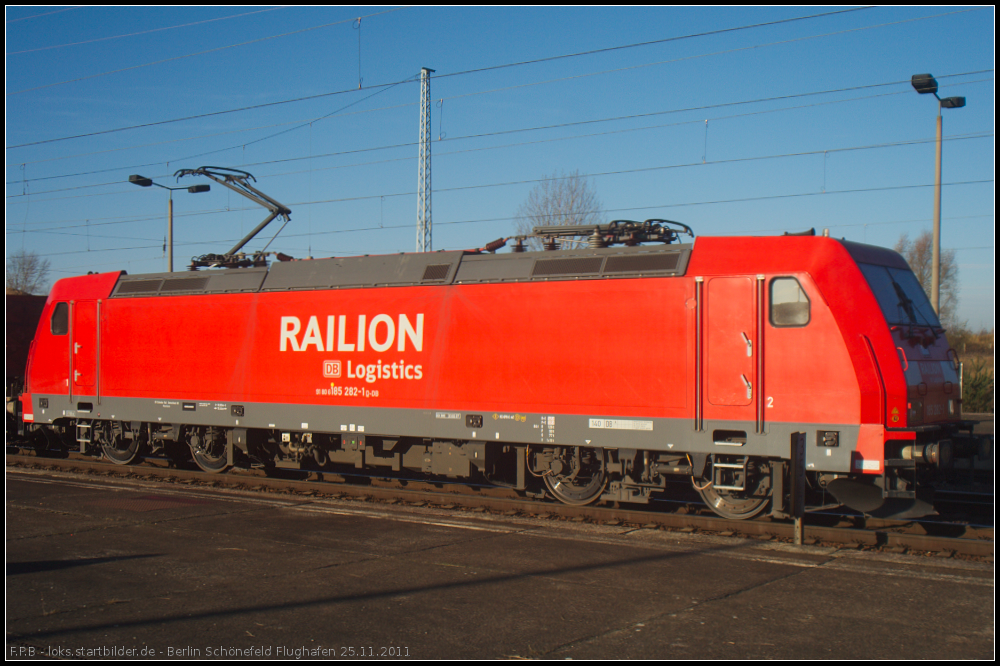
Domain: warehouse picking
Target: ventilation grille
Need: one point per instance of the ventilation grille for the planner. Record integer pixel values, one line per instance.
(184, 284)
(139, 287)
(162, 286)
(642, 263)
(569, 266)
(436, 272)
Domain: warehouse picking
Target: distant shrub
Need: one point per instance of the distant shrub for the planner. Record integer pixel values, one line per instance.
(977, 390)
(964, 341)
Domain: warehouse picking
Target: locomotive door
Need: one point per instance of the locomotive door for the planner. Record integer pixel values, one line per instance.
(84, 348)
(730, 349)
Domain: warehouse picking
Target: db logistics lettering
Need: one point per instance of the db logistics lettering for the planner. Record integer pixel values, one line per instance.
(374, 371)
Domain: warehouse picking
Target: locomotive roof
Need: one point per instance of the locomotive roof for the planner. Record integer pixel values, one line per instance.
(430, 268)
(719, 255)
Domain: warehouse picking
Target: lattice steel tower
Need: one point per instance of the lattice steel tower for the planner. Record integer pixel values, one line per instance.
(424, 176)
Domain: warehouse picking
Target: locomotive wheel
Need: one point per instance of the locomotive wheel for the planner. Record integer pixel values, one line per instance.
(212, 464)
(729, 504)
(209, 451)
(584, 478)
(116, 447)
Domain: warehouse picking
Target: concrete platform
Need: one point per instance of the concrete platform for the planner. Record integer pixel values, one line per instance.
(117, 569)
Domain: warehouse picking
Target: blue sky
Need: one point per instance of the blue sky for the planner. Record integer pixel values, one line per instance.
(810, 123)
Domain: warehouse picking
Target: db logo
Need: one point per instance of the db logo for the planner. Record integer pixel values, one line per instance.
(331, 368)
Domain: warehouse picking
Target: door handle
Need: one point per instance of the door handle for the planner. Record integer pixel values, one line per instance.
(748, 385)
(748, 343)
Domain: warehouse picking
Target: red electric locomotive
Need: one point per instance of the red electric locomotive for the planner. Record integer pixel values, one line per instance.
(598, 373)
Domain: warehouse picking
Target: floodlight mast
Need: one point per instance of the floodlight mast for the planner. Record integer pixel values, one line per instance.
(142, 181)
(237, 181)
(927, 84)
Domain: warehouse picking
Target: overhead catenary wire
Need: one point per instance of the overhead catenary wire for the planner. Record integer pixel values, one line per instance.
(24, 181)
(142, 32)
(713, 32)
(34, 16)
(544, 82)
(977, 135)
(24, 229)
(459, 73)
(488, 134)
(501, 219)
(72, 270)
(704, 107)
(292, 129)
(191, 55)
(440, 102)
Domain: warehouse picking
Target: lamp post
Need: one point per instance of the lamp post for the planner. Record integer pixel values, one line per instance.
(142, 181)
(926, 84)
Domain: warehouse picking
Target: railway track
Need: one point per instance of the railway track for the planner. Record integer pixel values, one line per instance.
(938, 539)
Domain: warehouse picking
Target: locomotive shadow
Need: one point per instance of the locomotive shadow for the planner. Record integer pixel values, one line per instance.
(943, 529)
(18, 568)
(366, 597)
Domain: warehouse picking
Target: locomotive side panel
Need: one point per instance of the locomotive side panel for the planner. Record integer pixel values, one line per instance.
(587, 347)
(564, 347)
(809, 377)
(331, 347)
(48, 369)
(775, 364)
(181, 347)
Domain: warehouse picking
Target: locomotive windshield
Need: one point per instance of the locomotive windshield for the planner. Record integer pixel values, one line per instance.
(900, 296)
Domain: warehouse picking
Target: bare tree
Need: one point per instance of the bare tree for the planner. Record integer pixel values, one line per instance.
(27, 273)
(559, 199)
(919, 255)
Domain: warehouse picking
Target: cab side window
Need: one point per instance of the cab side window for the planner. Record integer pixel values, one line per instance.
(789, 304)
(59, 324)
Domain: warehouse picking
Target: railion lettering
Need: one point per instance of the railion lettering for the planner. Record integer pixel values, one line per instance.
(333, 333)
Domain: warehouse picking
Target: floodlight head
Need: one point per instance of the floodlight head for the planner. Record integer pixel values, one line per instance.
(924, 84)
(952, 102)
(141, 181)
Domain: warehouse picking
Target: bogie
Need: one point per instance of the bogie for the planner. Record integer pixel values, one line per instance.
(573, 475)
(737, 487)
(209, 448)
(120, 442)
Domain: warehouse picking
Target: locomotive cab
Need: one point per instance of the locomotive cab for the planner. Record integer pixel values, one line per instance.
(919, 393)
(928, 364)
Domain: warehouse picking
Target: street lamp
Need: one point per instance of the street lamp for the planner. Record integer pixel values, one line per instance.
(926, 84)
(142, 181)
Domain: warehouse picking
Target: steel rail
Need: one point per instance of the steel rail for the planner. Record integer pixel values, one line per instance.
(879, 534)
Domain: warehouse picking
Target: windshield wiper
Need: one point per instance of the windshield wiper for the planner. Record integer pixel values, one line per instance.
(904, 301)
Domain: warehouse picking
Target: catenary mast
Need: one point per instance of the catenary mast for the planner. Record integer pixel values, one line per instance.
(424, 176)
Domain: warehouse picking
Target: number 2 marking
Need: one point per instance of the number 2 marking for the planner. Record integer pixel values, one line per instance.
(770, 401)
